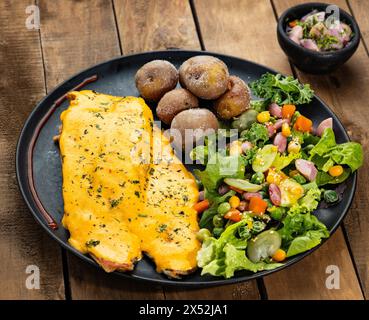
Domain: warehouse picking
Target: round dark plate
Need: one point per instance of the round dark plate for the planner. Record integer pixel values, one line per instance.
(116, 77)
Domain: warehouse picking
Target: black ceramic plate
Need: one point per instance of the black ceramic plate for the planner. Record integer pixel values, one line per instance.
(116, 77)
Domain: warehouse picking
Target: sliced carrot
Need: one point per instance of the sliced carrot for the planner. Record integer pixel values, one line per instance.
(233, 215)
(293, 23)
(303, 124)
(288, 110)
(257, 205)
(201, 206)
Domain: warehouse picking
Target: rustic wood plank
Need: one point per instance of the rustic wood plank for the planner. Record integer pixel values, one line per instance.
(244, 28)
(22, 241)
(174, 20)
(224, 29)
(75, 35)
(242, 291)
(360, 11)
(344, 90)
(307, 279)
(88, 282)
(155, 25)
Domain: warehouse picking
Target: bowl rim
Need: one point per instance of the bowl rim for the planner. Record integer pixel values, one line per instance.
(352, 45)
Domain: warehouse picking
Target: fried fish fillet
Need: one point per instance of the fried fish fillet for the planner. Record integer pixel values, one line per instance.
(124, 195)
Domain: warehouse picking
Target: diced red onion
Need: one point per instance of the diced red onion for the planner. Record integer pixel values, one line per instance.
(308, 15)
(278, 124)
(275, 110)
(271, 129)
(248, 195)
(280, 141)
(275, 194)
(296, 33)
(309, 44)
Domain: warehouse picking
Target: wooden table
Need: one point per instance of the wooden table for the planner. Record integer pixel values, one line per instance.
(78, 34)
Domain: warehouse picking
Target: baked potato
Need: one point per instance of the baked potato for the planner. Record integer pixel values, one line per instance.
(173, 102)
(234, 101)
(205, 76)
(200, 120)
(155, 78)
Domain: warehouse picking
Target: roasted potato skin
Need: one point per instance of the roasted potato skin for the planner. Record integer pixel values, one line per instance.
(198, 118)
(234, 101)
(173, 102)
(155, 78)
(205, 76)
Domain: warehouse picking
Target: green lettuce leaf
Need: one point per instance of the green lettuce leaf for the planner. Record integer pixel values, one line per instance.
(220, 167)
(349, 153)
(326, 142)
(226, 255)
(236, 260)
(304, 230)
(326, 153)
(323, 178)
(282, 161)
(306, 242)
(309, 202)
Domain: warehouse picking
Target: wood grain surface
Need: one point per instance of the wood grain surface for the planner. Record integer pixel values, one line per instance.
(229, 39)
(346, 93)
(234, 28)
(22, 241)
(360, 10)
(155, 25)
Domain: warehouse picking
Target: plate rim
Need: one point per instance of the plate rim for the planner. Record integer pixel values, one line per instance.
(167, 282)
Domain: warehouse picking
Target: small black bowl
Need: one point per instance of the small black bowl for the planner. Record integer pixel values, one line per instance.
(308, 60)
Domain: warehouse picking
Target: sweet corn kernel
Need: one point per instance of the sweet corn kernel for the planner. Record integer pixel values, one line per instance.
(234, 201)
(263, 117)
(286, 131)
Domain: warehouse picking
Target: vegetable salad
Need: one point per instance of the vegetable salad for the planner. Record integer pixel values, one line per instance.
(260, 213)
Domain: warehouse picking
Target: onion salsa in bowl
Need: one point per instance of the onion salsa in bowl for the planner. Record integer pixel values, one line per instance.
(316, 31)
(316, 40)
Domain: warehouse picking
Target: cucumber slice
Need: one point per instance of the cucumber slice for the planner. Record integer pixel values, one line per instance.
(243, 185)
(264, 158)
(264, 245)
